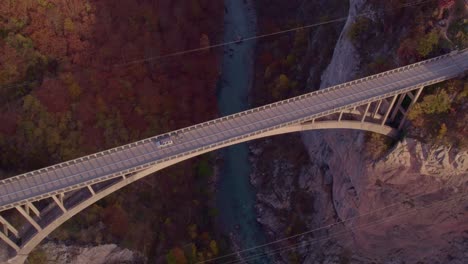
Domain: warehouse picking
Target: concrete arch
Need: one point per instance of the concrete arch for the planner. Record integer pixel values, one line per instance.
(291, 115)
(24, 251)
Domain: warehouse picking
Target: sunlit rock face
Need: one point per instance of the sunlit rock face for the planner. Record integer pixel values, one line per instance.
(416, 188)
(409, 205)
(110, 253)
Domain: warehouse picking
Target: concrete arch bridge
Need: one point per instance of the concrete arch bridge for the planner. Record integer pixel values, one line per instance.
(378, 103)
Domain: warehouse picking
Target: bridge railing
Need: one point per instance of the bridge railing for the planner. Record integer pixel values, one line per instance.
(172, 133)
(211, 146)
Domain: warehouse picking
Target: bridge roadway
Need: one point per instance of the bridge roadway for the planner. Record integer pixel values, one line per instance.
(137, 156)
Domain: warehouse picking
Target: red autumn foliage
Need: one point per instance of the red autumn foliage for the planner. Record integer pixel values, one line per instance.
(446, 3)
(8, 123)
(54, 95)
(96, 65)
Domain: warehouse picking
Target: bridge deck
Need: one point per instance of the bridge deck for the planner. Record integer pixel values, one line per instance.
(75, 174)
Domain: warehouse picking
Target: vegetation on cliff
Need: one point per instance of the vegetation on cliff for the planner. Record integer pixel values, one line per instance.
(408, 36)
(440, 116)
(287, 63)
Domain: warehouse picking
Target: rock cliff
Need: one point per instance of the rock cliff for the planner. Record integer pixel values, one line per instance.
(110, 253)
(408, 206)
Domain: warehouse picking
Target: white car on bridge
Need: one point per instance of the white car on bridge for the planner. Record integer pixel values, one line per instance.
(164, 142)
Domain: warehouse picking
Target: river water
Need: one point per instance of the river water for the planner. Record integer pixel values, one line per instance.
(236, 196)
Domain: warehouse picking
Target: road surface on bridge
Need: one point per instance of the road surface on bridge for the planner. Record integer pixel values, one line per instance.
(137, 156)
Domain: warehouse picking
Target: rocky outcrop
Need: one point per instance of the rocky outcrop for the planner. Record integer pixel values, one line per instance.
(416, 182)
(345, 61)
(416, 189)
(103, 254)
(407, 207)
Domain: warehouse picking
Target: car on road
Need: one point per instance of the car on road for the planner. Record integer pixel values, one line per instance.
(164, 142)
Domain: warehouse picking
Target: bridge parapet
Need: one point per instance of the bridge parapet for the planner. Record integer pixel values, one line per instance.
(237, 115)
(307, 111)
(293, 99)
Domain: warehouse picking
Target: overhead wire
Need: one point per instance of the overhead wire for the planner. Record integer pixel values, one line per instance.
(222, 44)
(339, 234)
(407, 199)
(179, 53)
(280, 32)
(340, 19)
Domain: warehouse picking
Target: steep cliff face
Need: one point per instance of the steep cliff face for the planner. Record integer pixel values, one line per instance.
(418, 188)
(330, 148)
(408, 206)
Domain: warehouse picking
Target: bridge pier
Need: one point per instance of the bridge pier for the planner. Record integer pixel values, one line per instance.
(397, 106)
(26, 215)
(365, 113)
(387, 113)
(414, 99)
(59, 202)
(90, 188)
(377, 108)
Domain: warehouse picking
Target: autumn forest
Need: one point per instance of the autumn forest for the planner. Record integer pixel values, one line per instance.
(79, 76)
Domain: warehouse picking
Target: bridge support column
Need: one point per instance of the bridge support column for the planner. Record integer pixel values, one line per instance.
(414, 99)
(365, 113)
(384, 119)
(9, 242)
(59, 202)
(28, 217)
(397, 107)
(8, 228)
(30, 206)
(91, 190)
(376, 111)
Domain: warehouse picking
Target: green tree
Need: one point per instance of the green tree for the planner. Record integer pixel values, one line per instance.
(68, 25)
(431, 104)
(427, 43)
(192, 230)
(74, 90)
(280, 86)
(19, 42)
(37, 256)
(214, 247)
(377, 145)
(170, 258)
(361, 25)
(442, 131)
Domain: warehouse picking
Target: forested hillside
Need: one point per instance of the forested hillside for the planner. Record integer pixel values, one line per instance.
(79, 76)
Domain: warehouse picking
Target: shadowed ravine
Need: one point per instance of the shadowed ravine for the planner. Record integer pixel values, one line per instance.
(236, 196)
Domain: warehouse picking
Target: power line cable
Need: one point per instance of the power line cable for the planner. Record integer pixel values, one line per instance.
(339, 234)
(222, 44)
(324, 227)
